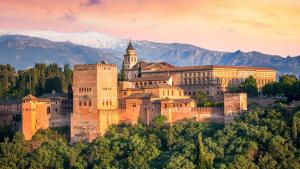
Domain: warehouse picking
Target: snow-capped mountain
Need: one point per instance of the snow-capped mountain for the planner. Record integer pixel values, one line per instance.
(87, 38)
(90, 47)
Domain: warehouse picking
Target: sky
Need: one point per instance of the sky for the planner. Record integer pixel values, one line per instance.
(268, 26)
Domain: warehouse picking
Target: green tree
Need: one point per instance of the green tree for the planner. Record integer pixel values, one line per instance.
(296, 128)
(33, 82)
(170, 136)
(5, 83)
(234, 89)
(181, 162)
(205, 159)
(249, 86)
(287, 79)
(159, 121)
(201, 98)
(67, 75)
(122, 73)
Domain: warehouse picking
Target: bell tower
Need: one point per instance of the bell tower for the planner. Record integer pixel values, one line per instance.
(130, 58)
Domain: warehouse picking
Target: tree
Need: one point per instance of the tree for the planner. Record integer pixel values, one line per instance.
(170, 136)
(249, 86)
(287, 79)
(67, 75)
(5, 83)
(33, 82)
(181, 162)
(201, 98)
(159, 121)
(296, 127)
(267, 90)
(205, 159)
(122, 73)
(234, 89)
(1, 91)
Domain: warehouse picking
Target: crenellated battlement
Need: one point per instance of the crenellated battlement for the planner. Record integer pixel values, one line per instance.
(84, 67)
(108, 111)
(208, 109)
(92, 66)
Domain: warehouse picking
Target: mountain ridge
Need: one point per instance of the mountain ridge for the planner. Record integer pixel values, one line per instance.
(28, 50)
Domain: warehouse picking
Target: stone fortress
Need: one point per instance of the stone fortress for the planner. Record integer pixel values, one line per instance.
(150, 89)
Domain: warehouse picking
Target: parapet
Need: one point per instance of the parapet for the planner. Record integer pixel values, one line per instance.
(91, 66)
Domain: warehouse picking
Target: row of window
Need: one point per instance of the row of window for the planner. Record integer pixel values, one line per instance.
(132, 59)
(145, 84)
(190, 74)
(107, 103)
(85, 103)
(170, 93)
(194, 81)
(84, 89)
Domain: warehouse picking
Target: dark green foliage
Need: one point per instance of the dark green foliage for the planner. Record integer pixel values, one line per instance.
(296, 128)
(122, 76)
(249, 86)
(203, 101)
(159, 121)
(288, 86)
(261, 138)
(37, 80)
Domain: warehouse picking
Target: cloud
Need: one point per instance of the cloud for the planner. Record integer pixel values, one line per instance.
(254, 23)
(68, 17)
(90, 3)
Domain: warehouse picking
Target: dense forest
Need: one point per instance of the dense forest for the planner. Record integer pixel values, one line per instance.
(37, 80)
(261, 138)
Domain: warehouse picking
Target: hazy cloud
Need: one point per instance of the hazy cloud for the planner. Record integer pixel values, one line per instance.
(68, 17)
(90, 3)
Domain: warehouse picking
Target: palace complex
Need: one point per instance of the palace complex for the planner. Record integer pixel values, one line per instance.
(150, 89)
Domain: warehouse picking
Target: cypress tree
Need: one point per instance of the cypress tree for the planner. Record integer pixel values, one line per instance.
(122, 76)
(5, 82)
(170, 137)
(296, 120)
(205, 159)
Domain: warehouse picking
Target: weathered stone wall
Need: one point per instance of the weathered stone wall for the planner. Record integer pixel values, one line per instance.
(10, 114)
(94, 90)
(214, 114)
(35, 115)
(234, 105)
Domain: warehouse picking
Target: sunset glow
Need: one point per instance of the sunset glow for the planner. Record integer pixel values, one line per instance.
(268, 26)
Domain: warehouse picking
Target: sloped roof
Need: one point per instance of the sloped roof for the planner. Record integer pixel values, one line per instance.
(178, 100)
(154, 78)
(54, 95)
(210, 67)
(30, 97)
(9, 101)
(148, 66)
(141, 96)
(130, 47)
(159, 85)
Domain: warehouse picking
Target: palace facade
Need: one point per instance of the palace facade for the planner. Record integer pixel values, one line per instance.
(213, 80)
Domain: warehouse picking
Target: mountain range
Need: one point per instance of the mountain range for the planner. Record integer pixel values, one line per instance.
(24, 48)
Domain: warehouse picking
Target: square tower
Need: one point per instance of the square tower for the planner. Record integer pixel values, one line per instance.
(94, 90)
(130, 58)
